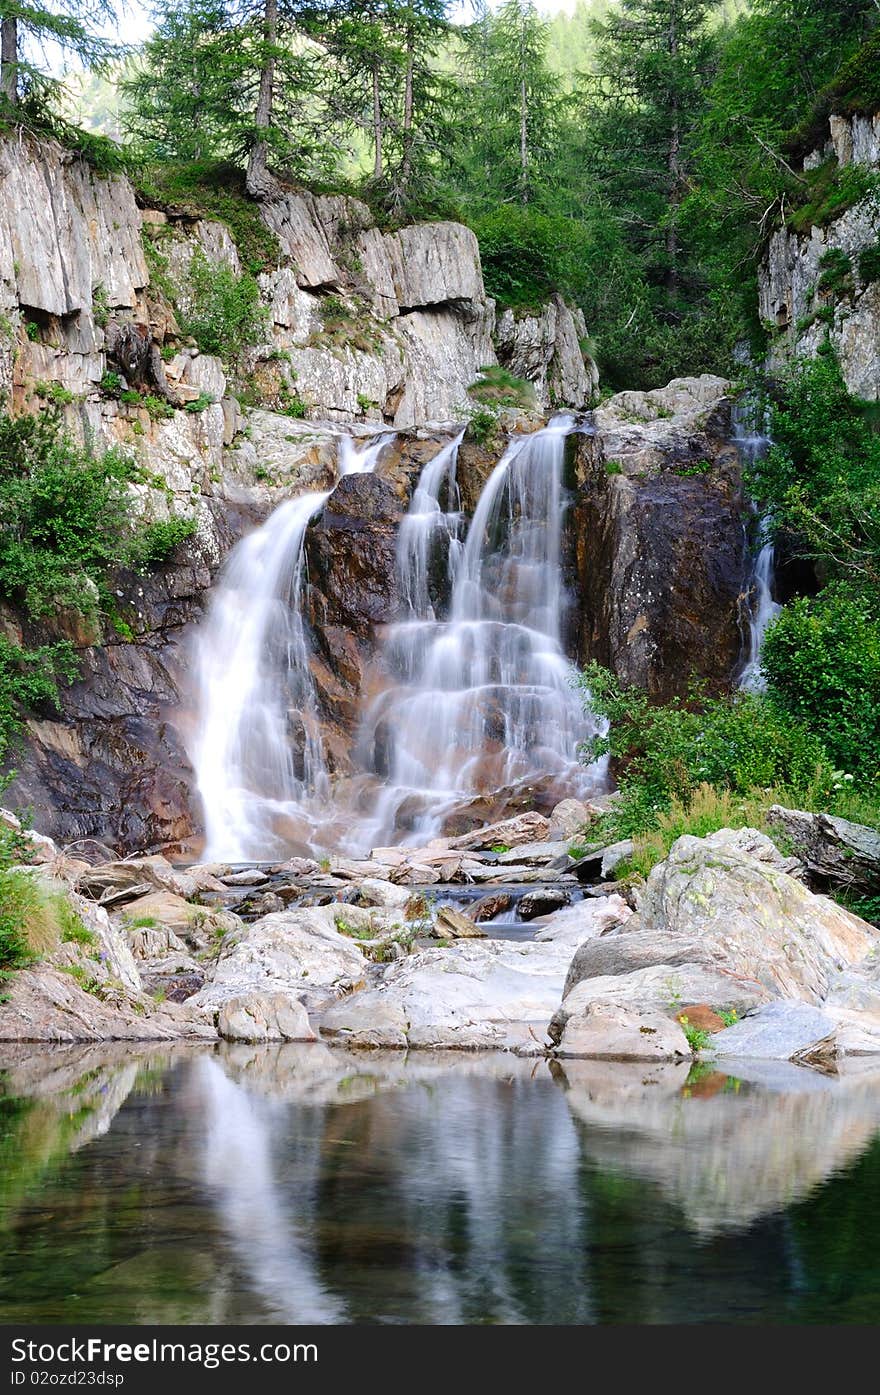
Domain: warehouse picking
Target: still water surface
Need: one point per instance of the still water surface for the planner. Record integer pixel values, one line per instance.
(299, 1184)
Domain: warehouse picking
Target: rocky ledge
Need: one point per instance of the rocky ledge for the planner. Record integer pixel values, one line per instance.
(724, 952)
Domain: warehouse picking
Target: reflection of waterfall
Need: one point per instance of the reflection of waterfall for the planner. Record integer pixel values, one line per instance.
(240, 1170)
(762, 607)
(484, 698)
(257, 749)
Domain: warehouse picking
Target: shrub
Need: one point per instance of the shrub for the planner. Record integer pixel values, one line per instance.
(19, 901)
(220, 310)
(822, 661)
(30, 678)
(156, 541)
(528, 256)
(869, 263)
(836, 278)
(499, 388)
(820, 480)
(665, 754)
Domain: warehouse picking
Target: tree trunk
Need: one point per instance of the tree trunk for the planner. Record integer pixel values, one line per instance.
(378, 162)
(674, 166)
(9, 60)
(524, 142)
(406, 162)
(260, 183)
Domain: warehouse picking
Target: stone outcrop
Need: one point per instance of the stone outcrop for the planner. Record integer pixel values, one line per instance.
(547, 351)
(722, 925)
(796, 308)
(660, 548)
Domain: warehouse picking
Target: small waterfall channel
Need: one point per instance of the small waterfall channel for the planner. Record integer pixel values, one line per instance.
(483, 697)
(762, 607)
(257, 749)
(475, 694)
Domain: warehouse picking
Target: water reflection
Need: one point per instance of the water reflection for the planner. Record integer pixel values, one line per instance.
(303, 1184)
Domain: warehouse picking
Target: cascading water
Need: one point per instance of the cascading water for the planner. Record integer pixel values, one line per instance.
(486, 698)
(762, 607)
(257, 750)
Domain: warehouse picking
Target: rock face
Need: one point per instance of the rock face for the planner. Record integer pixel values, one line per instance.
(545, 350)
(834, 851)
(722, 925)
(660, 548)
(797, 310)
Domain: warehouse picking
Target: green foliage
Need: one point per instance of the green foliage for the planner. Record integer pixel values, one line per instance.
(836, 277)
(222, 311)
(869, 264)
(18, 900)
(528, 255)
(820, 481)
(213, 189)
(200, 403)
(484, 426)
(697, 1037)
(497, 387)
(55, 393)
(29, 681)
(65, 527)
(822, 661)
(111, 383)
(826, 192)
(854, 91)
(156, 541)
(667, 753)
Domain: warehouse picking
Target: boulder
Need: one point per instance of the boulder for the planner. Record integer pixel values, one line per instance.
(119, 881)
(781, 1031)
(535, 854)
(472, 994)
(298, 954)
(373, 891)
(257, 1017)
(451, 924)
(199, 926)
(659, 988)
(542, 902)
(568, 820)
(608, 1031)
(759, 921)
(510, 833)
(834, 851)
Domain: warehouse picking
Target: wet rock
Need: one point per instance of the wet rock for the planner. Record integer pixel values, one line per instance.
(249, 876)
(542, 902)
(608, 1031)
(781, 1031)
(265, 903)
(488, 907)
(256, 1017)
(659, 539)
(509, 833)
(452, 924)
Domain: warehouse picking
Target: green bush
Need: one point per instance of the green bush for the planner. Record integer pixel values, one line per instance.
(496, 387)
(18, 901)
(155, 542)
(836, 278)
(869, 263)
(29, 679)
(527, 256)
(220, 310)
(820, 480)
(664, 754)
(822, 661)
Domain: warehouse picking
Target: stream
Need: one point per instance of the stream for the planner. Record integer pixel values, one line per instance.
(303, 1185)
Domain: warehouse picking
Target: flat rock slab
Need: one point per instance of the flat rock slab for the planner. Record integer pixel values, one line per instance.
(785, 1031)
(608, 1031)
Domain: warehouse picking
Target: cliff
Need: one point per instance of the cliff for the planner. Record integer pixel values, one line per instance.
(820, 273)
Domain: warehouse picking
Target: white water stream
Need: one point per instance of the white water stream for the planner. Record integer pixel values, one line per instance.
(484, 698)
(257, 750)
(763, 609)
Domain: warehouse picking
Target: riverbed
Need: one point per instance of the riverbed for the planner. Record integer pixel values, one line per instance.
(309, 1184)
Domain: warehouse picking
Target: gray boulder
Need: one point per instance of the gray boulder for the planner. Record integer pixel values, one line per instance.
(779, 1032)
(834, 851)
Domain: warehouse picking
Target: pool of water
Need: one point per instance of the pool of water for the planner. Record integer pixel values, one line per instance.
(303, 1184)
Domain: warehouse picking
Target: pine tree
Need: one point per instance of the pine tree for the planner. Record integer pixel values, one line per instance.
(511, 105)
(24, 29)
(655, 62)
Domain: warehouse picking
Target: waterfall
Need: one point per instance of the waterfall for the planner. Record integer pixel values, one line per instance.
(256, 749)
(485, 698)
(762, 607)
